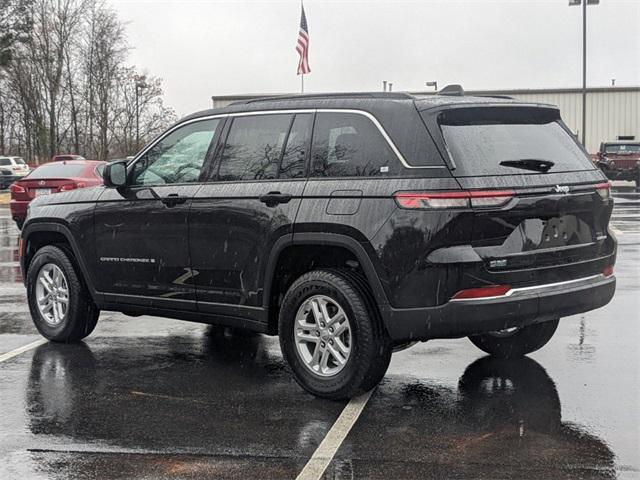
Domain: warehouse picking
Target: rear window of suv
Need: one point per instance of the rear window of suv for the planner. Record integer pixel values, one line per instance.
(479, 139)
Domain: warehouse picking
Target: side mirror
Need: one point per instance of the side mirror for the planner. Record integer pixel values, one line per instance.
(115, 174)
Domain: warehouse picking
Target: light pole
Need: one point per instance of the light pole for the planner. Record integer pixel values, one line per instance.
(584, 4)
(140, 85)
(433, 84)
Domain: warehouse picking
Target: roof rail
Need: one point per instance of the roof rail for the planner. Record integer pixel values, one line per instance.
(320, 96)
(452, 90)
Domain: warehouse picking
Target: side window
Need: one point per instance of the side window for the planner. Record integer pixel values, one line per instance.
(295, 153)
(350, 145)
(5, 161)
(254, 147)
(178, 157)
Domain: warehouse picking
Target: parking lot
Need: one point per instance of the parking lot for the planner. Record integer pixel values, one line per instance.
(154, 398)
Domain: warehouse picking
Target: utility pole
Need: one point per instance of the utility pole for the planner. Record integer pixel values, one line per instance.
(140, 84)
(584, 4)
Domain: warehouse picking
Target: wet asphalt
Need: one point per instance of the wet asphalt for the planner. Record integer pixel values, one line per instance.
(153, 398)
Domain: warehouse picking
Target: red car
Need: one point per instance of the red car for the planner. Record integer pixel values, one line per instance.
(66, 157)
(53, 178)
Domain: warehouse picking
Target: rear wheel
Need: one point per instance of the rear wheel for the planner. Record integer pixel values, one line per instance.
(331, 335)
(516, 342)
(61, 307)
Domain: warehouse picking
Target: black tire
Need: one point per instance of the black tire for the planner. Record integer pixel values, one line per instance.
(521, 342)
(82, 314)
(370, 346)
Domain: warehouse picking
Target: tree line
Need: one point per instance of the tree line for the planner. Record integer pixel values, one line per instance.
(65, 86)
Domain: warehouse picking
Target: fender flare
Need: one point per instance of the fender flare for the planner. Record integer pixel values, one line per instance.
(332, 239)
(57, 227)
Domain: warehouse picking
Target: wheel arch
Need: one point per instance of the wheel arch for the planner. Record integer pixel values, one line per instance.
(331, 242)
(39, 234)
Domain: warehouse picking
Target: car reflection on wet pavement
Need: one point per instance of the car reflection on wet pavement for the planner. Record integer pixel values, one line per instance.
(154, 398)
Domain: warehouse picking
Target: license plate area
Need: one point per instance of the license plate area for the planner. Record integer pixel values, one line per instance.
(39, 192)
(541, 234)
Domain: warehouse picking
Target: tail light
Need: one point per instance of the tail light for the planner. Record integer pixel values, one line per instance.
(72, 186)
(454, 199)
(15, 188)
(604, 189)
(482, 292)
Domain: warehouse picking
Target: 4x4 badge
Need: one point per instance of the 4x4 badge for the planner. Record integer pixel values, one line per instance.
(562, 189)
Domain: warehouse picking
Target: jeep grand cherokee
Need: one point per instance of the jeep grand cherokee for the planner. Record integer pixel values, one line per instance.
(349, 225)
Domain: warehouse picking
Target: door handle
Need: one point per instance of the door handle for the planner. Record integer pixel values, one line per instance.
(173, 199)
(272, 199)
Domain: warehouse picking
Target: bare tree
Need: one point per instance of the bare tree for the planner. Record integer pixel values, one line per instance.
(66, 88)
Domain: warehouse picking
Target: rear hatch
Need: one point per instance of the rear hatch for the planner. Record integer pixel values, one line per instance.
(553, 206)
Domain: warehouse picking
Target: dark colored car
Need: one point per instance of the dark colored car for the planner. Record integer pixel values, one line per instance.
(620, 160)
(53, 178)
(66, 157)
(349, 225)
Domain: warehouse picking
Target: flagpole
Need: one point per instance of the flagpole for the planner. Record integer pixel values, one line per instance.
(302, 83)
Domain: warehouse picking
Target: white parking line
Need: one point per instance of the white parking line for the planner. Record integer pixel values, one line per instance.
(321, 458)
(615, 230)
(19, 350)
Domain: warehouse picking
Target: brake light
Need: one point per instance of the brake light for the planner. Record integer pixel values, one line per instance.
(72, 186)
(15, 188)
(454, 199)
(607, 271)
(604, 189)
(482, 292)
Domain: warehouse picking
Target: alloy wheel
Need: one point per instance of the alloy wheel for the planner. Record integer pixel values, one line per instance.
(52, 294)
(323, 335)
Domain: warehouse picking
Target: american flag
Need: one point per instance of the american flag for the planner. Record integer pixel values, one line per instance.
(303, 45)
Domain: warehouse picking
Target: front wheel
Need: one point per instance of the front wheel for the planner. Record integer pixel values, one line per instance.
(61, 308)
(516, 342)
(331, 335)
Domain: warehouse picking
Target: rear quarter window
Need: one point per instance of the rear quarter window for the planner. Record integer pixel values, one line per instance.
(478, 139)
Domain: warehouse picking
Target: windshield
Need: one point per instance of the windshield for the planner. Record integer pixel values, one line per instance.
(57, 170)
(622, 148)
(501, 140)
(19, 161)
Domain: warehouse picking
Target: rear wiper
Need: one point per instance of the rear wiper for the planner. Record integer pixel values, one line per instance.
(529, 164)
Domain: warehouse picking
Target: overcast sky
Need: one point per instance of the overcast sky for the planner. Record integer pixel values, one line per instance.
(207, 47)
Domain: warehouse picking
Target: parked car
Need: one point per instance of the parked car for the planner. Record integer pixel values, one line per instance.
(620, 160)
(349, 225)
(16, 165)
(52, 178)
(66, 157)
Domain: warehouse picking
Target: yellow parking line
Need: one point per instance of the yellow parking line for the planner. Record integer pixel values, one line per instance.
(321, 458)
(19, 350)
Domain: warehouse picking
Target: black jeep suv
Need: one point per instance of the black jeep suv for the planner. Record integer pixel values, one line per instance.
(349, 225)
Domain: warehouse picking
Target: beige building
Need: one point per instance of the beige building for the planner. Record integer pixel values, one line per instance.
(613, 113)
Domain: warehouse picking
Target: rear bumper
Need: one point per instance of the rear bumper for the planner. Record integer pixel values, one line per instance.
(520, 307)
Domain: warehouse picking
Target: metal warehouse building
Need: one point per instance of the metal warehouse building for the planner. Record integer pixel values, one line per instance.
(613, 113)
